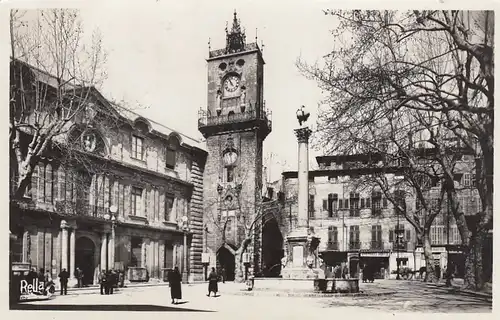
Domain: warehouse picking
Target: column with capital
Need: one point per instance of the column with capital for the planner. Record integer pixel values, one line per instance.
(111, 249)
(303, 135)
(301, 242)
(72, 266)
(104, 251)
(64, 245)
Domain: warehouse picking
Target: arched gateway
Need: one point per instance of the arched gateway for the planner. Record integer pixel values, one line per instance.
(84, 258)
(226, 261)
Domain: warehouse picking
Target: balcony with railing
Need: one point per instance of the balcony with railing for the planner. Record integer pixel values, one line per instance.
(376, 245)
(209, 123)
(400, 245)
(354, 212)
(354, 245)
(332, 245)
(376, 212)
(80, 208)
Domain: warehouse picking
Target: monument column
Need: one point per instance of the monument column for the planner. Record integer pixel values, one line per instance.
(301, 242)
(303, 135)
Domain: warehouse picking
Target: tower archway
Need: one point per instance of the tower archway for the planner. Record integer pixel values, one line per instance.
(226, 261)
(272, 249)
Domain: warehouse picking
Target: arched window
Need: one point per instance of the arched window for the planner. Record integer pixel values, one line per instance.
(171, 152)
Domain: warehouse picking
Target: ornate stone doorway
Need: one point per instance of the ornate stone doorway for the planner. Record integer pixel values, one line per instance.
(84, 259)
(225, 260)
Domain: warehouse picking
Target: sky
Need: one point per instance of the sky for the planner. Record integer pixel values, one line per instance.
(157, 55)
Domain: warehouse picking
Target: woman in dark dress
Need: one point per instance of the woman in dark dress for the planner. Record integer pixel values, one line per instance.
(212, 283)
(174, 281)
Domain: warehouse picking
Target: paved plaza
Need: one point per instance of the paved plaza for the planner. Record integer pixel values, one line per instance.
(395, 296)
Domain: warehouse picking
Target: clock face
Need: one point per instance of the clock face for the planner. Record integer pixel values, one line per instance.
(231, 83)
(230, 158)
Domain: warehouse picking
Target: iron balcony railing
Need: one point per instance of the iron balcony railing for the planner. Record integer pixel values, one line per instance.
(376, 211)
(354, 245)
(332, 245)
(205, 120)
(376, 245)
(400, 246)
(354, 212)
(80, 209)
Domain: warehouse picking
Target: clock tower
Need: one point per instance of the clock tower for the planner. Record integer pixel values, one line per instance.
(235, 124)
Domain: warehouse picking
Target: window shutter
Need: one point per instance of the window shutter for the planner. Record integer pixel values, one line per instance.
(391, 235)
(374, 233)
(362, 203)
(341, 204)
(368, 204)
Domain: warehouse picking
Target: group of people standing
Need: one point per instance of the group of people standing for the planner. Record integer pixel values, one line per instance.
(107, 281)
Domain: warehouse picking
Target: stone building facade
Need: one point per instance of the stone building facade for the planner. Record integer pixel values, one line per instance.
(129, 198)
(360, 228)
(235, 125)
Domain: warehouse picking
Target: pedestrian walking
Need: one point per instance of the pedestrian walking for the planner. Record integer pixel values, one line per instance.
(223, 275)
(102, 280)
(212, 283)
(79, 277)
(63, 279)
(174, 280)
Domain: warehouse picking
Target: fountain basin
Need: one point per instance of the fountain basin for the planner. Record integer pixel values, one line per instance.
(334, 285)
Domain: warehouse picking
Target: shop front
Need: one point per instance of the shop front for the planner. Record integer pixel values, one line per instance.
(375, 264)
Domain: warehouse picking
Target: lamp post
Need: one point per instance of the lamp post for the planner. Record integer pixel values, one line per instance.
(184, 226)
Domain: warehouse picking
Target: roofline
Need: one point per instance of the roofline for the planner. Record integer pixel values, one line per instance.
(330, 172)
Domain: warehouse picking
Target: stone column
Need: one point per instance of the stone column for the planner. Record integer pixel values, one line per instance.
(303, 177)
(72, 239)
(185, 259)
(64, 245)
(111, 249)
(104, 241)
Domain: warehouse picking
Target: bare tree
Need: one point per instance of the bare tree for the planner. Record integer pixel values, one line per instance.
(424, 61)
(54, 73)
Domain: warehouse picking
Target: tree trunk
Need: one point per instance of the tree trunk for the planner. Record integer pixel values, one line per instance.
(239, 274)
(474, 277)
(430, 274)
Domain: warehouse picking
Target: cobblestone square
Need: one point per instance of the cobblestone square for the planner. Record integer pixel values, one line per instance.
(407, 296)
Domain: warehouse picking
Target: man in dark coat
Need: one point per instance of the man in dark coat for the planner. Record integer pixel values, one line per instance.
(63, 279)
(102, 280)
(79, 277)
(212, 283)
(174, 280)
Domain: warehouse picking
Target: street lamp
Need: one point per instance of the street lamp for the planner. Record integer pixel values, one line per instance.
(184, 226)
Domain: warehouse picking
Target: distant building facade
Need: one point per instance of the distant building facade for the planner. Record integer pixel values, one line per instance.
(361, 229)
(117, 204)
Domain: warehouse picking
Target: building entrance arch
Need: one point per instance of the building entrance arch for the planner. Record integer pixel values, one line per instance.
(226, 262)
(85, 259)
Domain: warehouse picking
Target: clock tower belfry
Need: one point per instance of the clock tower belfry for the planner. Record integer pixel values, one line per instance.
(235, 124)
